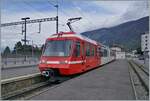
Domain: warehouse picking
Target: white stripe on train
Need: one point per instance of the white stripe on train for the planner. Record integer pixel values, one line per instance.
(65, 62)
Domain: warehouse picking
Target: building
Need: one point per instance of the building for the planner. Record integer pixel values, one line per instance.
(116, 48)
(119, 53)
(145, 42)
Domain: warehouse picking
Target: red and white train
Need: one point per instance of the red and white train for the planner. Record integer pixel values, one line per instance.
(68, 53)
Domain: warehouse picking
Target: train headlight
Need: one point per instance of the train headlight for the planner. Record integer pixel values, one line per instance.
(42, 61)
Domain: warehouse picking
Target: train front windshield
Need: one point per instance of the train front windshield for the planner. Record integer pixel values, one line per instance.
(58, 48)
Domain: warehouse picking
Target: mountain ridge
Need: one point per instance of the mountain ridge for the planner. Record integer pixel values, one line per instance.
(127, 34)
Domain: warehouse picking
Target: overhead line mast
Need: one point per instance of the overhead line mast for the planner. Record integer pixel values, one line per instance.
(57, 19)
(28, 22)
(57, 24)
(25, 29)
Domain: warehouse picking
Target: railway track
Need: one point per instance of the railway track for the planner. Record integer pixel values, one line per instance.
(33, 92)
(142, 68)
(140, 81)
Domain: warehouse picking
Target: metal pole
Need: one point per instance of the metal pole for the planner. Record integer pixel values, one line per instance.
(32, 48)
(25, 40)
(144, 57)
(25, 29)
(25, 32)
(56, 24)
(16, 56)
(57, 18)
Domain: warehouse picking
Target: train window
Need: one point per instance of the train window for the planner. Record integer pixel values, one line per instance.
(82, 47)
(111, 53)
(77, 50)
(104, 52)
(92, 53)
(99, 51)
(87, 50)
(57, 48)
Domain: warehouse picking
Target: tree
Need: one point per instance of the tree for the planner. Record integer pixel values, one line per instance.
(42, 47)
(37, 51)
(18, 48)
(7, 51)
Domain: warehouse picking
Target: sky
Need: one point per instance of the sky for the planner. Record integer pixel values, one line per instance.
(95, 14)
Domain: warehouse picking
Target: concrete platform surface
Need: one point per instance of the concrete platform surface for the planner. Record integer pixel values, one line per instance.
(19, 71)
(110, 82)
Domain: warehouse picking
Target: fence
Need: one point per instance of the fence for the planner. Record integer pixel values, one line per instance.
(19, 61)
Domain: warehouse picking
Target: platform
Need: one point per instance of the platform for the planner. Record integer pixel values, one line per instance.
(18, 71)
(109, 82)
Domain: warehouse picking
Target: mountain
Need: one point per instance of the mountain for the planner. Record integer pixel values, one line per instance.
(127, 34)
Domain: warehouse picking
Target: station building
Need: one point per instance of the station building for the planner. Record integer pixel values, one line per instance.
(119, 52)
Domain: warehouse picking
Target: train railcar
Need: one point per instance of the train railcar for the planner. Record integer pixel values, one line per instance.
(106, 54)
(68, 53)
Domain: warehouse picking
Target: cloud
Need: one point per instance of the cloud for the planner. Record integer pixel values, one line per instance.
(95, 14)
(137, 10)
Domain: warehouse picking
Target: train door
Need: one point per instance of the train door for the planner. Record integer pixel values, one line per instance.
(104, 54)
(83, 52)
(92, 57)
(87, 55)
(79, 58)
(98, 54)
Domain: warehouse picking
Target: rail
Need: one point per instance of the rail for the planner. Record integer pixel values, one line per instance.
(142, 76)
(142, 68)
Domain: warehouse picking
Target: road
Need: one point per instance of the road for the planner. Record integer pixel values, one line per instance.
(18, 71)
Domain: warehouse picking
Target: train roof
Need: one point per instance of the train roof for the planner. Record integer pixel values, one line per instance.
(73, 34)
